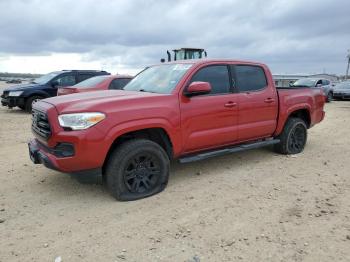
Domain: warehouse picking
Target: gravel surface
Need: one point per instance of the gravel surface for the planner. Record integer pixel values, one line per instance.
(250, 206)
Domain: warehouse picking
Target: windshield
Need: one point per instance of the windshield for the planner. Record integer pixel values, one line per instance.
(344, 85)
(304, 83)
(92, 82)
(158, 79)
(45, 78)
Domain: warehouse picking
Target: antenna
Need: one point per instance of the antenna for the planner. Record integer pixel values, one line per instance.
(347, 68)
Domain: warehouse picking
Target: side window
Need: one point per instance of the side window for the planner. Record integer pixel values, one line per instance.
(217, 76)
(66, 80)
(119, 83)
(325, 82)
(249, 78)
(83, 77)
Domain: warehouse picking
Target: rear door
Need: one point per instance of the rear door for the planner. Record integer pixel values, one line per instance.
(210, 120)
(258, 102)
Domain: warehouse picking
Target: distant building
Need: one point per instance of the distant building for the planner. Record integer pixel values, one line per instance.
(286, 80)
(326, 76)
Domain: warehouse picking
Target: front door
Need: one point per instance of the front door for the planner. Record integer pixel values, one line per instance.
(210, 120)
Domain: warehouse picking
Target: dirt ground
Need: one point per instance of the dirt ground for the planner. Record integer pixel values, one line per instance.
(250, 206)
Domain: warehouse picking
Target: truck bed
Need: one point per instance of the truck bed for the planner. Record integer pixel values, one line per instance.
(291, 99)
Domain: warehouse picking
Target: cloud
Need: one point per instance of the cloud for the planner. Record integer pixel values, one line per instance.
(290, 36)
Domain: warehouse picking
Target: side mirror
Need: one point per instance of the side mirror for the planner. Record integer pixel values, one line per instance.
(198, 88)
(319, 85)
(162, 60)
(54, 83)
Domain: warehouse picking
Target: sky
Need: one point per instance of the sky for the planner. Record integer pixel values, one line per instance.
(292, 36)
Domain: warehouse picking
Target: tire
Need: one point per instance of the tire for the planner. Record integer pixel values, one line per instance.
(293, 137)
(137, 169)
(30, 101)
(329, 97)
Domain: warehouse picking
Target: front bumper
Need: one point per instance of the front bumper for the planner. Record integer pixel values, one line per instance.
(12, 101)
(38, 156)
(51, 158)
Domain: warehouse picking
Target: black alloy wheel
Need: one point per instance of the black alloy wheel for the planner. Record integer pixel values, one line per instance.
(136, 169)
(142, 173)
(297, 139)
(293, 137)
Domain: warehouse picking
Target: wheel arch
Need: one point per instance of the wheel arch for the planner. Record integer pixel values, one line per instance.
(158, 135)
(36, 93)
(302, 112)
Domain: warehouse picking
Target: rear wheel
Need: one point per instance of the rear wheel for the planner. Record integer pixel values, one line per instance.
(137, 169)
(293, 137)
(31, 101)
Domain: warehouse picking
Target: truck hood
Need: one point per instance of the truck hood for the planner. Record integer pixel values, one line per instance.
(22, 87)
(96, 101)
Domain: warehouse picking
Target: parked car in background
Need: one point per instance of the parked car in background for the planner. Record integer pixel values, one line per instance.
(188, 110)
(14, 81)
(342, 90)
(325, 84)
(96, 83)
(46, 86)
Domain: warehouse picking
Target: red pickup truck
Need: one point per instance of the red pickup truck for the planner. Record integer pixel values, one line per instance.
(187, 110)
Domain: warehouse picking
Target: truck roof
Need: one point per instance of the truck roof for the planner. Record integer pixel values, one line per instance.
(210, 60)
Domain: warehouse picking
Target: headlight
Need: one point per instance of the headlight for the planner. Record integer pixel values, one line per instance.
(80, 121)
(15, 93)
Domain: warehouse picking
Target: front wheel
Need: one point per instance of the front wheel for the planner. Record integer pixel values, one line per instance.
(329, 97)
(293, 137)
(137, 169)
(31, 101)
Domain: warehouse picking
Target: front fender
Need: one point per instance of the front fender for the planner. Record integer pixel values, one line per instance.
(173, 132)
(30, 93)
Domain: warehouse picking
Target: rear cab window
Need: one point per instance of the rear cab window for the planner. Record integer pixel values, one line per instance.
(248, 78)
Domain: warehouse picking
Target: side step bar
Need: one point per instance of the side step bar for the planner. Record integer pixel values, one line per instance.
(229, 150)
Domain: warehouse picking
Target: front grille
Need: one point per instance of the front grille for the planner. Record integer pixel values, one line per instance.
(5, 94)
(40, 124)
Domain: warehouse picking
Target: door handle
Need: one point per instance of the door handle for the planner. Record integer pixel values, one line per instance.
(230, 104)
(269, 100)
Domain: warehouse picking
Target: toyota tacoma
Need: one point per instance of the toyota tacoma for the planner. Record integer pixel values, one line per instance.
(187, 110)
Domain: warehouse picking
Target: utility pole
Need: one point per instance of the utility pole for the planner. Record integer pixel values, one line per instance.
(347, 68)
